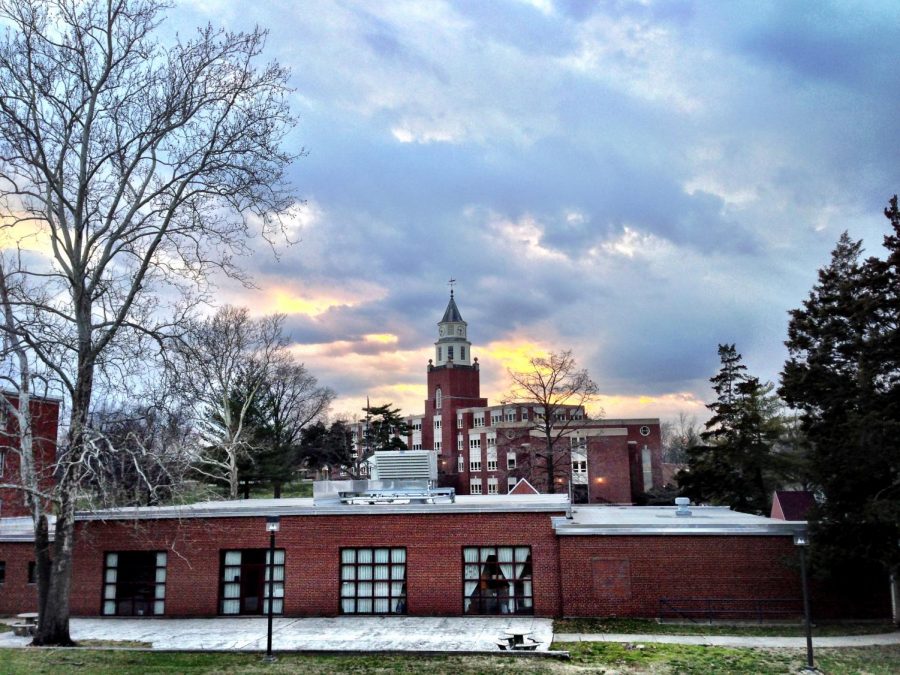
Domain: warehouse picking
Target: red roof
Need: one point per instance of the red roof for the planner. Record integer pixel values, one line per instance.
(792, 504)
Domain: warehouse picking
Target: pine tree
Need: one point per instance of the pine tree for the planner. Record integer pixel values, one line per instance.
(843, 374)
(737, 465)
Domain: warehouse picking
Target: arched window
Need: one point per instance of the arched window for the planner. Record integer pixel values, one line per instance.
(437, 398)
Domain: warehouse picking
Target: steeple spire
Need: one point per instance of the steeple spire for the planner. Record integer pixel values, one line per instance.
(452, 345)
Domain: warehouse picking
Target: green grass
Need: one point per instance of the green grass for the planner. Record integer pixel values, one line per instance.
(300, 488)
(651, 627)
(658, 659)
(5, 628)
(690, 659)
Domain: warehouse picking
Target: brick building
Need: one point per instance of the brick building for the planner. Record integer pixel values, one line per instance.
(479, 555)
(44, 423)
(487, 449)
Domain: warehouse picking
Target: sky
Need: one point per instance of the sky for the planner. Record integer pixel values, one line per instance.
(634, 181)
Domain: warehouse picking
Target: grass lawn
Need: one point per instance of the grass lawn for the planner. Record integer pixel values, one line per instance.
(586, 657)
(648, 626)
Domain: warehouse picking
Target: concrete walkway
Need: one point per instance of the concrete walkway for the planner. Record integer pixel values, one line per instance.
(735, 640)
(357, 633)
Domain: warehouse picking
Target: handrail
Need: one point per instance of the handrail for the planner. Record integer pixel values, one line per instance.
(717, 608)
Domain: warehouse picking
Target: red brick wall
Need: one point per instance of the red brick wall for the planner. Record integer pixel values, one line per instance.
(627, 576)
(45, 417)
(312, 543)
(16, 594)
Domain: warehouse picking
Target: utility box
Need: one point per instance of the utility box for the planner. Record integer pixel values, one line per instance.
(404, 465)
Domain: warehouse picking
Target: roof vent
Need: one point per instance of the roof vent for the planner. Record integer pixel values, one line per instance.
(682, 504)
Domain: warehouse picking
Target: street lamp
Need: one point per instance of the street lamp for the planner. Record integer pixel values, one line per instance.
(801, 541)
(273, 524)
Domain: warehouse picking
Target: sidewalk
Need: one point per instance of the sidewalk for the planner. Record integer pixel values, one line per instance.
(348, 633)
(736, 641)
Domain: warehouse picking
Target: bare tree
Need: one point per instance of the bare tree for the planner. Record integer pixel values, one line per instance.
(291, 398)
(559, 392)
(223, 365)
(678, 435)
(140, 167)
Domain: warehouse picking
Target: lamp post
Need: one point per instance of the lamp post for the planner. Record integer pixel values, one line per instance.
(273, 524)
(801, 541)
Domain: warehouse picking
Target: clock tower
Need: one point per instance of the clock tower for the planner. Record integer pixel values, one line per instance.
(453, 382)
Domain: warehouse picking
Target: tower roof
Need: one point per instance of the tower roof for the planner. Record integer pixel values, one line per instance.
(452, 315)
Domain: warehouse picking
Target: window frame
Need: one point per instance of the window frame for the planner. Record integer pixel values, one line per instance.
(483, 579)
(402, 597)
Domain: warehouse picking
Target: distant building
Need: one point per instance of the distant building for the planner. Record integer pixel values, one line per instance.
(44, 422)
(487, 449)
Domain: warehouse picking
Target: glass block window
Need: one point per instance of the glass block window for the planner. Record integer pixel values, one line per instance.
(373, 581)
(497, 580)
(245, 586)
(134, 583)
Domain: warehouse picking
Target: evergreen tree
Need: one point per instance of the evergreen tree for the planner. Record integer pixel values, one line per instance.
(843, 375)
(738, 464)
(385, 429)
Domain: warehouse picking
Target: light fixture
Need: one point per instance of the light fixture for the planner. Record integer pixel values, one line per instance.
(800, 539)
(273, 523)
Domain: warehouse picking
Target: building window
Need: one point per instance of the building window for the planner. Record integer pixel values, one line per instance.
(437, 423)
(510, 415)
(491, 441)
(134, 583)
(459, 442)
(438, 398)
(497, 580)
(416, 446)
(462, 353)
(510, 460)
(32, 572)
(244, 584)
(2, 571)
(492, 465)
(524, 414)
(579, 466)
(559, 416)
(373, 581)
(439, 358)
(492, 485)
(437, 446)
(460, 463)
(450, 353)
(474, 444)
(479, 420)
(474, 464)
(475, 486)
(511, 482)
(496, 418)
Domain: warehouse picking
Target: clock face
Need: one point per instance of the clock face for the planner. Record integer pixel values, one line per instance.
(441, 331)
(645, 431)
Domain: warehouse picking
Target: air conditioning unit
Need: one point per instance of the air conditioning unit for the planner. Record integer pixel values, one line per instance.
(404, 465)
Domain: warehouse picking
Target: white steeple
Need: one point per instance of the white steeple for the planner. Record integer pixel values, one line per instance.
(452, 344)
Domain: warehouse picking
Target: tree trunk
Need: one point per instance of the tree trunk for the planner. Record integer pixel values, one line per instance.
(277, 487)
(895, 595)
(53, 625)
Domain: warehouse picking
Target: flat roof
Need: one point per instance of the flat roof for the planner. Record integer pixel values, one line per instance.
(305, 506)
(22, 528)
(656, 520)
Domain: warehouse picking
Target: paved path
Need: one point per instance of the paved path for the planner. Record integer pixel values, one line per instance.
(356, 633)
(735, 640)
(450, 634)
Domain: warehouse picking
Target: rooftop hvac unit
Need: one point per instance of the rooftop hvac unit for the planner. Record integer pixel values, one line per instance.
(404, 465)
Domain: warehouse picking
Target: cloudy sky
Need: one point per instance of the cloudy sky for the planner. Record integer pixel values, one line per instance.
(636, 181)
